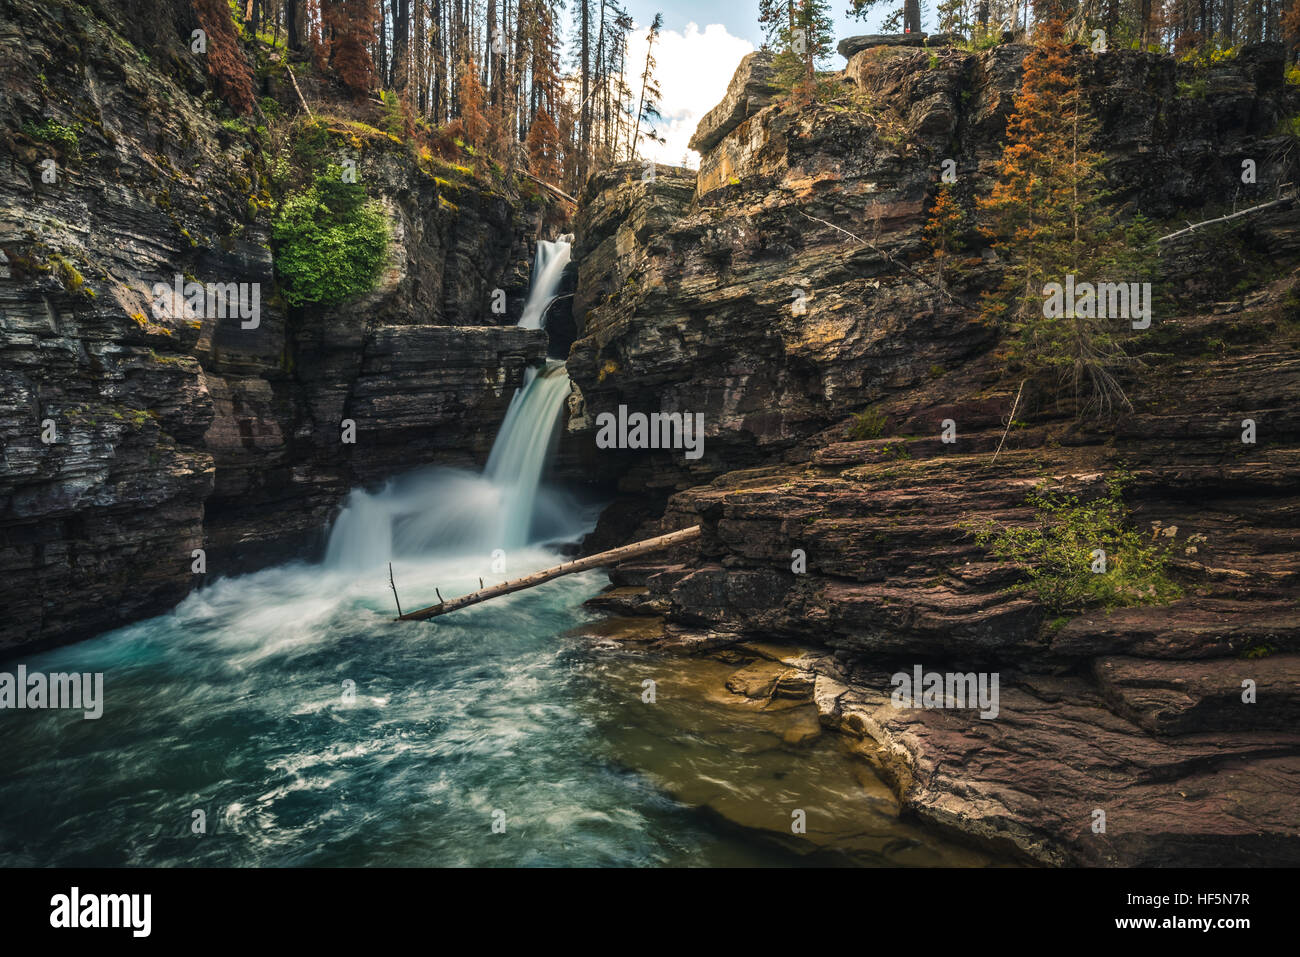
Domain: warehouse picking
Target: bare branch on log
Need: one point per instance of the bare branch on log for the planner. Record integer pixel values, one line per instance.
(1223, 219)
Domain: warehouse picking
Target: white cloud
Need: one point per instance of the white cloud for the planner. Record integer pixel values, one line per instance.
(693, 69)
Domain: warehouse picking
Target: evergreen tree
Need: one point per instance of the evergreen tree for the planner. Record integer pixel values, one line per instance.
(944, 229)
(351, 26)
(544, 148)
(225, 60)
(472, 105)
(801, 31)
(648, 109)
(1047, 218)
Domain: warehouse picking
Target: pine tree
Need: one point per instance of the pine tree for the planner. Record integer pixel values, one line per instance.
(801, 31)
(648, 108)
(351, 25)
(225, 60)
(1047, 218)
(544, 148)
(471, 103)
(954, 16)
(944, 229)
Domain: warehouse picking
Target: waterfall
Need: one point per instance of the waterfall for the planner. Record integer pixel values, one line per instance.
(444, 511)
(548, 270)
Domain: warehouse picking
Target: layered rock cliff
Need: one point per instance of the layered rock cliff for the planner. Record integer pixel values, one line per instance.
(785, 293)
(129, 439)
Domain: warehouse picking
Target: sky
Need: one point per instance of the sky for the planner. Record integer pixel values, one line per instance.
(698, 50)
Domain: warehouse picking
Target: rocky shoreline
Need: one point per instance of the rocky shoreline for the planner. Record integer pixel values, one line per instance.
(1138, 713)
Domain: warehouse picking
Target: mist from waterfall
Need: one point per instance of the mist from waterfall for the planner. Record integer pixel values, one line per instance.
(446, 512)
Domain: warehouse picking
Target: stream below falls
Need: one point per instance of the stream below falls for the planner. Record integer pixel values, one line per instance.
(283, 718)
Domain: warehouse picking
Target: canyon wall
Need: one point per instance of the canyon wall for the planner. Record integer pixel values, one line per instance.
(787, 293)
(130, 440)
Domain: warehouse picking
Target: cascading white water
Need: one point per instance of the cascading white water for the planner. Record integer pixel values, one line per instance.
(548, 269)
(520, 452)
(450, 511)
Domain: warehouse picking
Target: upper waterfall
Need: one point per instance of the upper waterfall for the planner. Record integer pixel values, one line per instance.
(548, 269)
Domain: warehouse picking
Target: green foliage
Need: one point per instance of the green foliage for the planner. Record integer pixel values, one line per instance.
(394, 116)
(1202, 58)
(803, 42)
(66, 138)
(1289, 126)
(1049, 216)
(70, 277)
(330, 241)
(1057, 552)
(1293, 75)
(867, 424)
(1193, 89)
(1255, 651)
(982, 41)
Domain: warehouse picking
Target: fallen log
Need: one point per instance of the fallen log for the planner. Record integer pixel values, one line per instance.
(611, 557)
(1224, 219)
(554, 189)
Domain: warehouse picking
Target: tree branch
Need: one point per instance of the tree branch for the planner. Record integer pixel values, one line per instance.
(901, 265)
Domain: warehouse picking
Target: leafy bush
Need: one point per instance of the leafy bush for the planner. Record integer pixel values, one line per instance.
(867, 424)
(66, 138)
(1057, 553)
(330, 241)
(1202, 58)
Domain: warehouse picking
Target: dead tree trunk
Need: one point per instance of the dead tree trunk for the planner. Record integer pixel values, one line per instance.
(611, 557)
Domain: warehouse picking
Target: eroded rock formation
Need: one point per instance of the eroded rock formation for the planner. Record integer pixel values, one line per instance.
(784, 290)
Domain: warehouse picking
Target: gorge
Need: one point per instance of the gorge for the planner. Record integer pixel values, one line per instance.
(861, 425)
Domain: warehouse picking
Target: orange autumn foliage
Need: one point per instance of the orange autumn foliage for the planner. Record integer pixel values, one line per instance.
(225, 61)
(351, 27)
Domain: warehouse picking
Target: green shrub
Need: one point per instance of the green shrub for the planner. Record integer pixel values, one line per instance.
(394, 117)
(867, 424)
(1057, 553)
(330, 242)
(67, 138)
(1288, 126)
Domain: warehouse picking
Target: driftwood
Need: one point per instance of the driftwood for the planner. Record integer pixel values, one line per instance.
(393, 586)
(1224, 219)
(611, 557)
